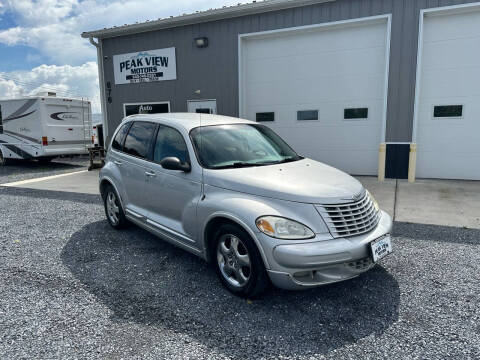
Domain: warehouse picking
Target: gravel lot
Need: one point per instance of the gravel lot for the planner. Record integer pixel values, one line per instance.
(72, 287)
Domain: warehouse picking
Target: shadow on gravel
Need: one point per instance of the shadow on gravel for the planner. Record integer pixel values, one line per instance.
(51, 194)
(145, 280)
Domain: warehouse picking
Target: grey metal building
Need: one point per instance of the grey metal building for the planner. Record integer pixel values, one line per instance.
(363, 85)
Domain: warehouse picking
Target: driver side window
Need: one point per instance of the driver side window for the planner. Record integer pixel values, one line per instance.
(170, 143)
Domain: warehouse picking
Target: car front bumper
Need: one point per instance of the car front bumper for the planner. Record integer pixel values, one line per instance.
(315, 263)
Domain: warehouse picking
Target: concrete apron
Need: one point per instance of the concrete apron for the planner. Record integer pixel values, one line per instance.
(83, 182)
(434, 202)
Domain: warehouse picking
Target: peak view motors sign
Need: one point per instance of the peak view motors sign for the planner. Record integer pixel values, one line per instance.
(145, 66)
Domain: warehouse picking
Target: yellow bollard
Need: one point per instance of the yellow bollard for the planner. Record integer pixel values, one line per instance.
(382, 154)
(412, 163)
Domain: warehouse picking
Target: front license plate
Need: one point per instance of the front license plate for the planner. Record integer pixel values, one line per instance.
(381, 247)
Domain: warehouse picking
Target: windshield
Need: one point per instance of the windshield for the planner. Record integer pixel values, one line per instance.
(240, 145)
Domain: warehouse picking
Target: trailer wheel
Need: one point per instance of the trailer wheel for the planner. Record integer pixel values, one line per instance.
(3, 160)
(45, 160)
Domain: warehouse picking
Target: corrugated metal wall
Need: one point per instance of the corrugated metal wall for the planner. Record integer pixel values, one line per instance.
(214, 70)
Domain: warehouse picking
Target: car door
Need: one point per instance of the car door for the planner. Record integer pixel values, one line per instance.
(134, 164)
(173, 195)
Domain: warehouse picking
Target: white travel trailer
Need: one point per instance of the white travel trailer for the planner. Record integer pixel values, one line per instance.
(44, 127)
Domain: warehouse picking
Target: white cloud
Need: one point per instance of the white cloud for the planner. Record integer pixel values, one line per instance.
(53, 28)
(66, 80)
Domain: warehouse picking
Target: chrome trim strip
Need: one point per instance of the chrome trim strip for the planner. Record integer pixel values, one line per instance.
(133, 213)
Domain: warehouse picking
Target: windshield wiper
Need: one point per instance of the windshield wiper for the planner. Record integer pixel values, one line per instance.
(283, 161)
(238, 164)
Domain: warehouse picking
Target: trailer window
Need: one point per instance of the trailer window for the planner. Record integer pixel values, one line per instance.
(1, 120)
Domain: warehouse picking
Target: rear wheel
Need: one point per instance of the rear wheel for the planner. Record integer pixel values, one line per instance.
(238, 262)
(113, 208)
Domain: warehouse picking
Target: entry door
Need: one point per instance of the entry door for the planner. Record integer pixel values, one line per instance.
(202, 106)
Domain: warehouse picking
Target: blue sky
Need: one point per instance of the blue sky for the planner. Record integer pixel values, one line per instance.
(41, 47)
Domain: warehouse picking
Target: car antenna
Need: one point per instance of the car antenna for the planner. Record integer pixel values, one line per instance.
(201, 151)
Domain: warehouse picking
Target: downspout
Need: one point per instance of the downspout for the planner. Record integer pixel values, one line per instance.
(101, 81)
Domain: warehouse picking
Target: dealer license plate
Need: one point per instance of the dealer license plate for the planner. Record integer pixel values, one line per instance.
(381, 247)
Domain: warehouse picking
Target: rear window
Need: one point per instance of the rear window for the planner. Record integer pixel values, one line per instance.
(1, 120)
(117, 142)
(138, 140)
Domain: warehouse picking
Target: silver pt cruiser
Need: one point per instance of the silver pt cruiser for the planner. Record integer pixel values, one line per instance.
(234, 193)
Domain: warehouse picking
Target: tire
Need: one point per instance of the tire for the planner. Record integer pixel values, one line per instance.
(3, 160)
(45, 160)
(238, 262)
(113, 209)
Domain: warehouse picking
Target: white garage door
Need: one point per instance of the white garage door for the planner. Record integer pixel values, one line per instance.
(448, 120)
(323, 87)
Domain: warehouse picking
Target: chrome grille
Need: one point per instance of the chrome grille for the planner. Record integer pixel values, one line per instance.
(350, 219)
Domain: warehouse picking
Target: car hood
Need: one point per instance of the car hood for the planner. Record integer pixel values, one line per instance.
(306, 181)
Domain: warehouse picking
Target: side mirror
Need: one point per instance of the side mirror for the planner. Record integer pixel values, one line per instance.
(174, 163)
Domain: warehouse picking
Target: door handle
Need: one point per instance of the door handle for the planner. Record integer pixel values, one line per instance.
(117, 162)
(150, 174)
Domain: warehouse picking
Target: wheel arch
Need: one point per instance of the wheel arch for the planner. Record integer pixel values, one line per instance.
(219, 219)
(104, 183)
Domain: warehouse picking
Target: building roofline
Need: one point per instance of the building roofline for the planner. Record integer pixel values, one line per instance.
(226, 12)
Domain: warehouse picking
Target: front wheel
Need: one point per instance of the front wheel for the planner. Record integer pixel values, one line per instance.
(238, 262)
(113, 209)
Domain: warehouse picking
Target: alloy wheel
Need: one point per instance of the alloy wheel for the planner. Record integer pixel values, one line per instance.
(234, 260)
(113, 210)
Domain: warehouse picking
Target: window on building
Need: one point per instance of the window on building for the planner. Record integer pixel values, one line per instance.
(138, 140)
(1, 120)
(307, 115)
(170, 143)
(117, 142)
(265, 116)
(448, 111)
(203, 111)
(355, 113)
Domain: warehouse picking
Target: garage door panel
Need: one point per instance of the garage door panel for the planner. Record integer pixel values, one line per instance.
(440, 141)
(348, 62)
(316, 41)
(455, 163)
(330, 114)
(360, 163)
(365, 62)
(347, 88)
(454, 82)
(445, 54)
(446, 27)
(330, 137)
(449, 148)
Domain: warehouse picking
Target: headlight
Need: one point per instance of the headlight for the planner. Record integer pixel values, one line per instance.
(282, 228)
(375, 204)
